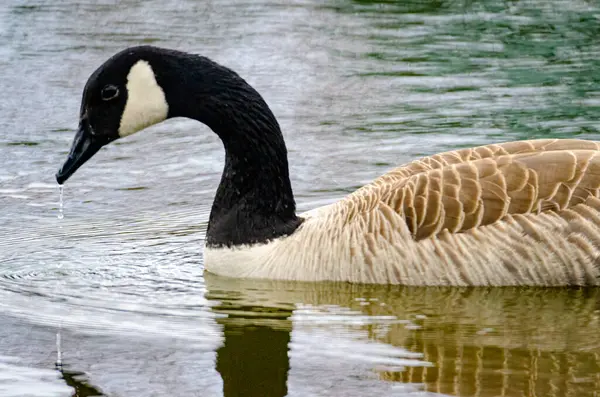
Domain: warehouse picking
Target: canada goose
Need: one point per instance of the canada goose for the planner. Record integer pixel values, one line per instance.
(517, 213)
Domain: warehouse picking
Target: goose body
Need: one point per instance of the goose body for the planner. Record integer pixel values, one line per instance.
(516, 213)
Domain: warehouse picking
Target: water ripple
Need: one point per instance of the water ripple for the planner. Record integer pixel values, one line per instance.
(358, 87)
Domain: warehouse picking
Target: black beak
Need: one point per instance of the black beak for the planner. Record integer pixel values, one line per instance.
(84, 146)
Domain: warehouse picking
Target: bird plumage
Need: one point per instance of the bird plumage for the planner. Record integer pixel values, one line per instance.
(518, 213)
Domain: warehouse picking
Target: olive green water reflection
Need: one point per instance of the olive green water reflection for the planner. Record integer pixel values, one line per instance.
(358, 87)
(483, 342)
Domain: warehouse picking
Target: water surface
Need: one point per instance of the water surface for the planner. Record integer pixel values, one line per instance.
(358, 87)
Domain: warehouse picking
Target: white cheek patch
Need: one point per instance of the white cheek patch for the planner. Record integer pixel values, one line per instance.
(146, 103)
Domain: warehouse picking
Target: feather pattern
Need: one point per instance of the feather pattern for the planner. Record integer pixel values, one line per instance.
(518, 213)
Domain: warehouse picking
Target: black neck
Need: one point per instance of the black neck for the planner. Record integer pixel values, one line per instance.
(254, 202)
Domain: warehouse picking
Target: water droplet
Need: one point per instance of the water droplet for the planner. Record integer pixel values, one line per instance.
(60, 202)
(58, 351)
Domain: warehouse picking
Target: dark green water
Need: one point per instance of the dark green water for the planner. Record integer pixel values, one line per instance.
(358, 88)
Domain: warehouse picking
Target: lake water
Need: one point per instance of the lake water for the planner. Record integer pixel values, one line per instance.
(358, 87)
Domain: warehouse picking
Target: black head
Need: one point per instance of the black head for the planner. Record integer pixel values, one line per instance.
(142, 86)
(120, 98)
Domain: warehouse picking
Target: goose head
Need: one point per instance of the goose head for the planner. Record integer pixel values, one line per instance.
(143, 86)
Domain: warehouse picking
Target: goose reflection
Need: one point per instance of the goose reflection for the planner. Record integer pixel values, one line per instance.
(268, 325)
(77, 380)
(253, 360)
(284, 338)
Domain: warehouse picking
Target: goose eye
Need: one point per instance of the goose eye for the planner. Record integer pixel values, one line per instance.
(109, 92)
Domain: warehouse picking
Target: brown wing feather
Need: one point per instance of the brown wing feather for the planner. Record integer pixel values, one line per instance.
(464, 189)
